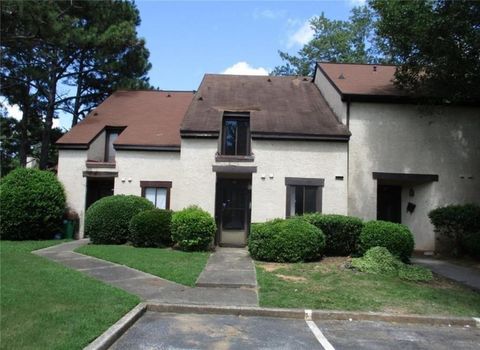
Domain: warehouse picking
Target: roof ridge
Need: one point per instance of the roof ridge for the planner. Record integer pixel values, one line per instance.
(358, 64)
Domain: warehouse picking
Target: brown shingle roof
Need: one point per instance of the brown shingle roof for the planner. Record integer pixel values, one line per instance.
(362, 79)
(285, 107)
(152, 119)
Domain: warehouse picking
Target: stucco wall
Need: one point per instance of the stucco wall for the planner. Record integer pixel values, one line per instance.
(96, 151)
(412, 139)
(71, 164)
(193, 181)
(331, 96)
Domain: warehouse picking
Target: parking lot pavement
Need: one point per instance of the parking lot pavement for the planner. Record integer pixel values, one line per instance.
(193, 331)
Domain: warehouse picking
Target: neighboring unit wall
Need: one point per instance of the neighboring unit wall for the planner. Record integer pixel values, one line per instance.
(331, 96)
(71, 164)
(420, 140)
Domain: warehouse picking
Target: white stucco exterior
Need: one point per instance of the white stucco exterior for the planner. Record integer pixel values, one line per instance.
(410, 139)
(194, 181)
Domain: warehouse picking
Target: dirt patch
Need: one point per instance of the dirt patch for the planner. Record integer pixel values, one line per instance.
(270, 267)
(291, 278)
(396, 310)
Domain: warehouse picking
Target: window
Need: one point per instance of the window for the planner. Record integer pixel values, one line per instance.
(110, 137)
(157, 192)
(304, 195)
(236, 134)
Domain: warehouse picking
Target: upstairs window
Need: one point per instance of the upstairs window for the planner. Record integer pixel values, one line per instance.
(236, 134)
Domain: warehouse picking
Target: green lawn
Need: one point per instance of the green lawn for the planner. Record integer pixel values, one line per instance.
(47, 306)
(328, 285)
(173, 265)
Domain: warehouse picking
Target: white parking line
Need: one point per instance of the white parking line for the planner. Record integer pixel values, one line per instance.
(317, 332)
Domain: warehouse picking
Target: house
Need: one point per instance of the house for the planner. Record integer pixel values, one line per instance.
(253, 148)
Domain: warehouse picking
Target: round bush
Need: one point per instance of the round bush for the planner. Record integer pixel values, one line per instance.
(107, 220)
(290, 240)
(33, 203)
(341, 232)
(151, 228)
(193, 229)
(397, 238)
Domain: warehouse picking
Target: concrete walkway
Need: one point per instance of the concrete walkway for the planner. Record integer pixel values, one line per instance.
(228, 268)
(148, 287)
(462, 274)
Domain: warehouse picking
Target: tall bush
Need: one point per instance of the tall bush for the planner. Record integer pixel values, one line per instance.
(32, 205)
(193, 229)
(290, 240)
(460, 225)
(397, 238)
(107, 220)
(151, 228)
(341, 232)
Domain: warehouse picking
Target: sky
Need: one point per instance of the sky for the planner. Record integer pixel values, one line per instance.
(187, 39)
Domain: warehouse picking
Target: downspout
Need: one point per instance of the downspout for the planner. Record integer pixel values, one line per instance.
(348, 156)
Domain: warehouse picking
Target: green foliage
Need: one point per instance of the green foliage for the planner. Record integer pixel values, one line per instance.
(193, 229)
(378, 260)
(107, 220)
(151, 228)
(341, 232)
(289, 240)
(349, 41)
(397, 238)
(33, 203)
(91, 46)
(437, 44)
(460, 224)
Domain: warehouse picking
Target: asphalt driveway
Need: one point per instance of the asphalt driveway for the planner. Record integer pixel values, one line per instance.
(193, 331)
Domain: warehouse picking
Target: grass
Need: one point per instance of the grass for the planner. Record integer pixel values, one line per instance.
(47, 306)
(173, 265)
(328, 285)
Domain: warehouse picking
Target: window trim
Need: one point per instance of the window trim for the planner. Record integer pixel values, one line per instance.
(237, 116)
(303, 181)
(158, 184)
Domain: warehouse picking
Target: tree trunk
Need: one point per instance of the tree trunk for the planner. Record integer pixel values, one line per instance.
(47, 127)
(78, 96)
(22, 154)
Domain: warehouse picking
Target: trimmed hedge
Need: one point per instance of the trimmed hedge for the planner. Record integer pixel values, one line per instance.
(341, 232)
(33, 203)
(193, 229)
(397, 238)
(151, 228)
(290, 240)
(460, 224)
(107, 220)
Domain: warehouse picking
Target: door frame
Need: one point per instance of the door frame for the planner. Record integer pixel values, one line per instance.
(218, 208)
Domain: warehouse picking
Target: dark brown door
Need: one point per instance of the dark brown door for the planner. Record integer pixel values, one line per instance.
(233, 211)
(98, 188)
(389, 203)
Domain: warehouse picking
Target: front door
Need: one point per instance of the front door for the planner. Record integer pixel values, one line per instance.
(389, 203)
(233, 211)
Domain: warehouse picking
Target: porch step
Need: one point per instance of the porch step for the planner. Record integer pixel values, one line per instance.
(228, 268)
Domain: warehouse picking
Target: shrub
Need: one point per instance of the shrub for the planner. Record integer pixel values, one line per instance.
(107, 220)
(290, 240)
(341, 232)
(378, 260)
(33, 203)
(397, 238)
(151, 228)
(460, 225)
(193, 229)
